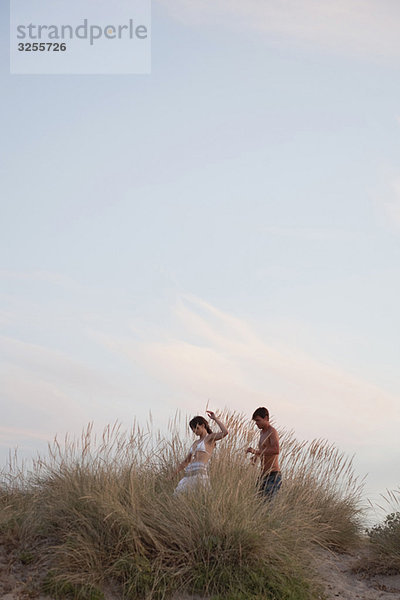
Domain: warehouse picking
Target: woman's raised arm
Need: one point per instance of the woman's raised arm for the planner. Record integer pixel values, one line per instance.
(223, 433)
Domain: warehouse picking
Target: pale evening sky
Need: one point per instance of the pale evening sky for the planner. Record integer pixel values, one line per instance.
(227, 227)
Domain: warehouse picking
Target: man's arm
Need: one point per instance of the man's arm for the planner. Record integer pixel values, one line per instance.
(269, 447)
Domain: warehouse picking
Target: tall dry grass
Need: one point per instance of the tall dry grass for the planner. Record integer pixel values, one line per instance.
(99, 512)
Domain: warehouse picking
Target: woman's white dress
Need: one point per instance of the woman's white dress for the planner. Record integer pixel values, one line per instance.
(196, 472)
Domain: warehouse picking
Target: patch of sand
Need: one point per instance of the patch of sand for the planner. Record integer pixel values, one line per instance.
(342, 579)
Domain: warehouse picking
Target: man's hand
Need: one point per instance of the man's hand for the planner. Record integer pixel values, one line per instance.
(211, 414)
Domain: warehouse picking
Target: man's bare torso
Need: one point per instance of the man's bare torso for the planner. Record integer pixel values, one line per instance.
(268, 442)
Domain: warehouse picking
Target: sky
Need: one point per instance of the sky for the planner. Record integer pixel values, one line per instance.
(225, 229)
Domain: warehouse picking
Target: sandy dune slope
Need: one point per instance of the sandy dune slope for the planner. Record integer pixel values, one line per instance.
(336, 572)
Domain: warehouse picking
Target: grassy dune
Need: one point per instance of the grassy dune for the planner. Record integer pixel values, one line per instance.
(100, 513)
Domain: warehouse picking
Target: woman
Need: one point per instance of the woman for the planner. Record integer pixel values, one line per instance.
(195, 463)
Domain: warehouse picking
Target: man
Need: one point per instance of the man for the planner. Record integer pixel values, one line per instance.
(268, 451)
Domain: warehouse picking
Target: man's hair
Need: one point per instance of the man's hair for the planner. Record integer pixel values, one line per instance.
(261, 412)
(199, 421)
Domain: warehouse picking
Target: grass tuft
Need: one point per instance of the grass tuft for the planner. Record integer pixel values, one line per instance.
(385, 538)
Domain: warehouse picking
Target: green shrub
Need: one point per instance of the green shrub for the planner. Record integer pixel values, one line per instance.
(385, 539)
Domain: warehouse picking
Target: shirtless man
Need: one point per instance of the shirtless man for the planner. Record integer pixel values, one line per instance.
(268, 451)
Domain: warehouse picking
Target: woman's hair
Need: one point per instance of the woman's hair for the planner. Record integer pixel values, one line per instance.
(199, 421)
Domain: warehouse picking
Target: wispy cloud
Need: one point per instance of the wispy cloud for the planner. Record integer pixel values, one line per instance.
(363, 27)
(52, 364)
(211, 354)
(123, 365)
(46, 392)
(9, 436)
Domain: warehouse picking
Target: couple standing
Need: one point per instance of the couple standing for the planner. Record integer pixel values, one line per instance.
(195, 463)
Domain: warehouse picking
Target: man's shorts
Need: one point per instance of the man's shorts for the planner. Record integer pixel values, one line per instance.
(269, 484)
